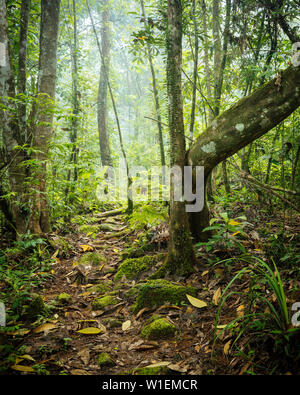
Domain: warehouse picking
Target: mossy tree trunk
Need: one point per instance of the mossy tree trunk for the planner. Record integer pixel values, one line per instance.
(249, 119)
(103, 87)
(180, 255)
(42, 131)
(10, 121)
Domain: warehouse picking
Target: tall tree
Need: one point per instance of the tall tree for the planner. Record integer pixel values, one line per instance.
(155, 93)
(42, 132)
(180, 255)
(12, 119)
(103, 86)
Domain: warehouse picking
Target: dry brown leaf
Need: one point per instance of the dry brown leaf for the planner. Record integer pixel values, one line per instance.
(126, 325)
(216, 296)
(227, 347)
(44, 328)
(84, 355)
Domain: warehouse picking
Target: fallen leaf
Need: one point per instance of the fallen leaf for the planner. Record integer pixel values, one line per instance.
(177, 368)
(22, 368)
(84, 355)
(227, 347)
(44, 328)
(217, 296)
(204, 273)
(86, 247)
(28, 357)
(90, 331)
(126, 325)
(196, 302)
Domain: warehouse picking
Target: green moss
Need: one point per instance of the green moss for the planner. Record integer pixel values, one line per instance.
(101, 303)
(63, 297)
(159, 328)
(132, 268)
(102, 288)
(89, 229)
(158, 369)
(104, 359)
(61, 244)
(158, 292)
(93, 258)
(136, 252)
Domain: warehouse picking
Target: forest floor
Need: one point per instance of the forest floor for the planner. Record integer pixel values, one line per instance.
(56, 345)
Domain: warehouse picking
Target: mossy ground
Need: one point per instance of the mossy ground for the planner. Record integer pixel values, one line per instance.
(104, 359)
(63, 297)
(102, 288)
(101, 303)
(158, 292)
(158, 328)
(133, 267)
(94, 258)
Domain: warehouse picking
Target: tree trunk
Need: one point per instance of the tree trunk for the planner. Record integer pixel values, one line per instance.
(21, 84)
(155, 93)
(103, 86)
(39, 221)
(11, 133)
(180, 255)
(195, 72)
(247, 120)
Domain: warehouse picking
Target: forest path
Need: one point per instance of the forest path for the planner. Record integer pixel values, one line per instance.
(58, 345)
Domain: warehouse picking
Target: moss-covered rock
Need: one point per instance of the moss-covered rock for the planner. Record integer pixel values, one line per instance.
(101, 303)
(136, 252)
(61, 244)
(102, 288)
(132, 268)
(63, 298)
(89, 229)
(158, 292)
(104, 359)
(158, 328)
(93, 258)
(150, 370)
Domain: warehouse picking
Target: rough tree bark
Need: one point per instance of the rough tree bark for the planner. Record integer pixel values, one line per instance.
(103, 87)
(42, 132)
(180, 255)
(155, 93)
(12, 134)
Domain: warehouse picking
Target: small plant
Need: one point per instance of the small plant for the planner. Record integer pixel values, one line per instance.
(225, 233)
(265, 320)
(147, 215)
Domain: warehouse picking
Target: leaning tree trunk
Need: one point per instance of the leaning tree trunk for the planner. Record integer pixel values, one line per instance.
(250, 118)
(180, 255)
(42, 132)
(103, 87)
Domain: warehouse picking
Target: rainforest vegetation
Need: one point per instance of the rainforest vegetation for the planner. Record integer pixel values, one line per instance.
(149, 187)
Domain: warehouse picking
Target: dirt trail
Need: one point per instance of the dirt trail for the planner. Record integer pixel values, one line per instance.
(63, 350)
